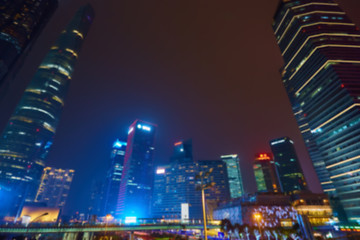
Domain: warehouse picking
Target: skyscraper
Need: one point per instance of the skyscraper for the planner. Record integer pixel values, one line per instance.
(265, 173)
(55, 186)
(220, 192)
(182, 151)
(113, 177)
(134, 198)
(234, 175)
(321, 51)
(175, 184)
(21, 21)
(287, 165)
(27, 138)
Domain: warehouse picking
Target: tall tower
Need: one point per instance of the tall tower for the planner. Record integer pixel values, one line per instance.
(29, 133)
(321, 51)
(175, 184)
(134, 198)
(265, 173)
(21, 21)
(55, 186)
(287, 165)
(182, 151)
(113, 178)
(236, 185)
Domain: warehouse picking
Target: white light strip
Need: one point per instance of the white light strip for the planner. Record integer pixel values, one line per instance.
(336, 116)
(329, 190)
(329, 182)
(347, 173)
(345, 161)
(304, 14)
(40, 110)
(313, 36)
(321, 68)
(306, 130)
(304, 5)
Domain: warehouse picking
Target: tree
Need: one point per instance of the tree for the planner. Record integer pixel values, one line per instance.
(226, 226)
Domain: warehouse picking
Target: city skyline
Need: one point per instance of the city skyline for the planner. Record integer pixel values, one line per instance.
(235, 138)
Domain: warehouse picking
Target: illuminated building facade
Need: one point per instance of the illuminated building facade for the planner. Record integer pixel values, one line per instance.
(321, 50)
(134, 198)
(288, 168)
(234, 175)
(265, 173)
(275, 210)
(54, 187)
(30, 214)
(315, 206)
(29, 133)
(113, 178)
(220, 192)
(21, 21)
(175, 184)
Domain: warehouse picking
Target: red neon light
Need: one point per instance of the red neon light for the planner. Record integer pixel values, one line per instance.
(177, 143)
(263, 156)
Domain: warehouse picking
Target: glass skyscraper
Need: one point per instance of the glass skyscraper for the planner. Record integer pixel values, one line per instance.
(134, 198)
(288, 168)
(321, 50)
(182, 151)
(54, 187)
(175, 184)
(234, 175)
(113, 177)
(265, 173)
(29, 133)
(21, 21)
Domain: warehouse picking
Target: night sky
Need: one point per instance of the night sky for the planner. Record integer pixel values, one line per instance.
(206, 70)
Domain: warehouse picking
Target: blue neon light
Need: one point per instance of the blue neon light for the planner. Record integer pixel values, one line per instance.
(129, 220)
(119, 144)
(144, 127)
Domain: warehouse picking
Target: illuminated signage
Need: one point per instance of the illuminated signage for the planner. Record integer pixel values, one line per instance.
(144, 127)
(177, 143)
(263, 156)
(160, 171)
(347, 228)
(230, 156)
(278, 141)
(119, 144)
(129, 220)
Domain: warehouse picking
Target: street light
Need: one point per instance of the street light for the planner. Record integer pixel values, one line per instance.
(202, 186)
(108, 218)
(258, 217)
